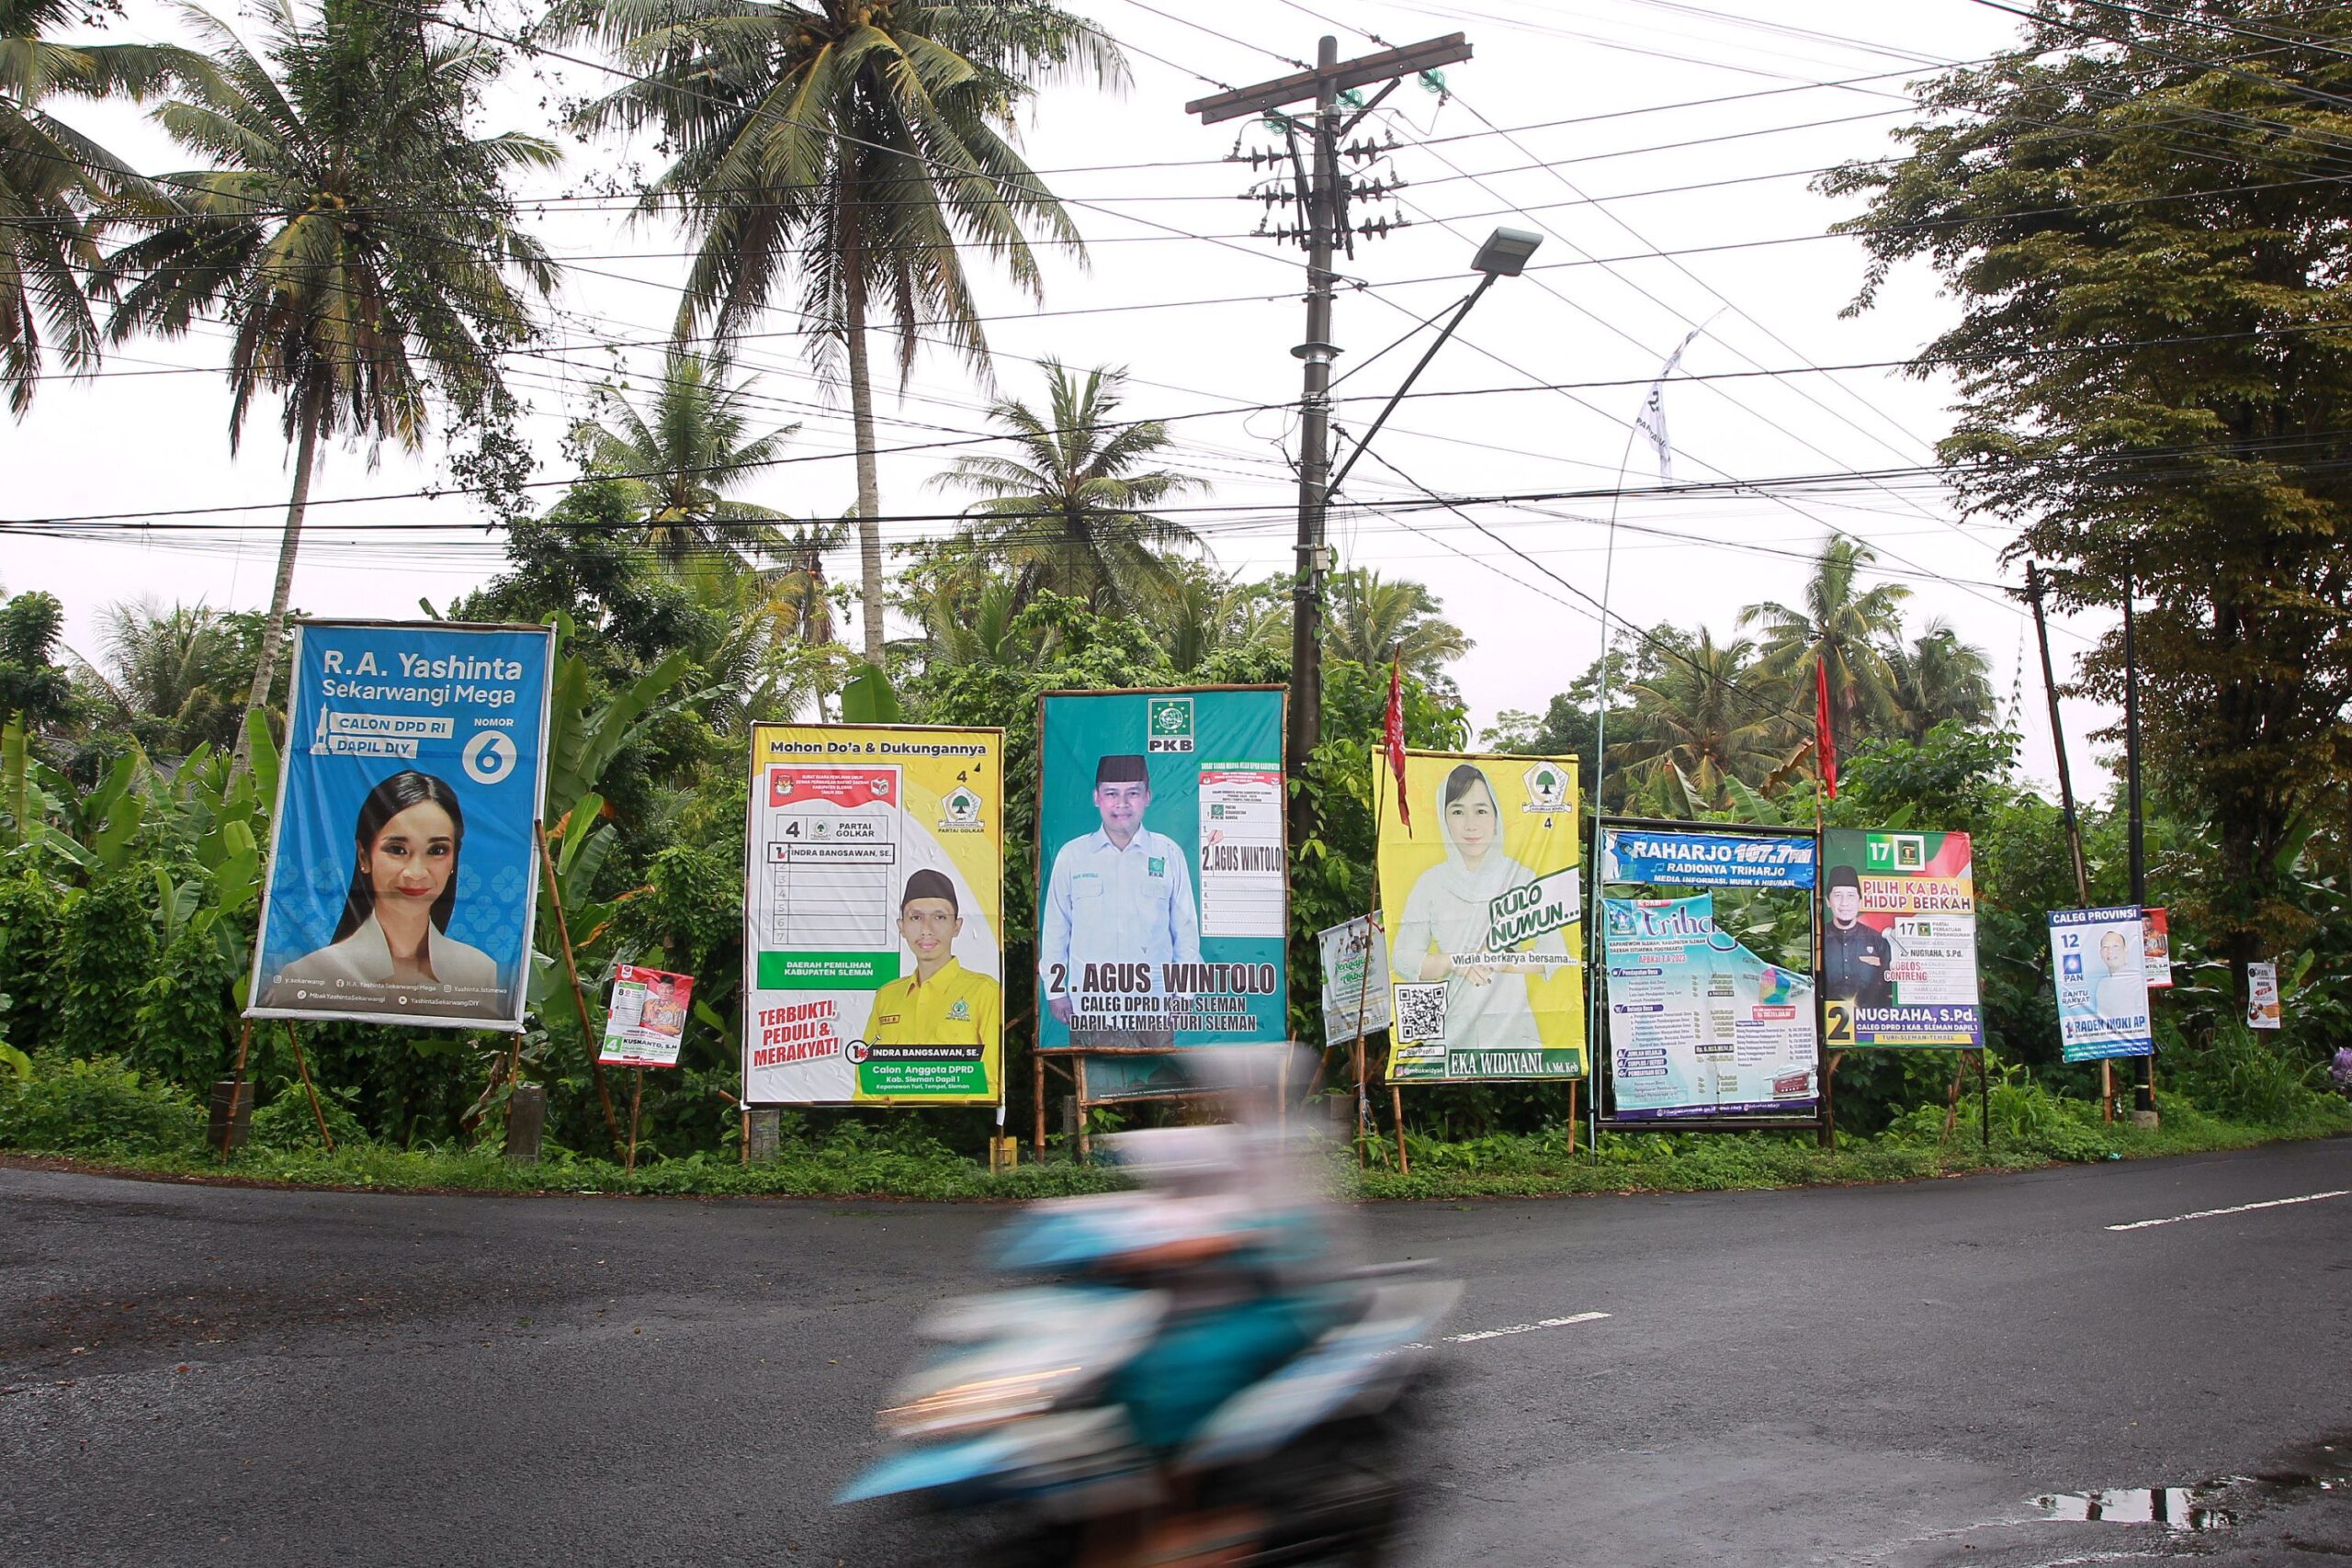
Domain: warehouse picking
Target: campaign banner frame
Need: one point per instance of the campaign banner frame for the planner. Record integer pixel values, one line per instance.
(1919, 878)
(2087, 1032)
(289, 958)
(1812, 1115)
(808, 1005)
(1534, 1010)
(1138, 1065)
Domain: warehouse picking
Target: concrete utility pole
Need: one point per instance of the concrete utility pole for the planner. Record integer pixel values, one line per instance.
(1322, 197)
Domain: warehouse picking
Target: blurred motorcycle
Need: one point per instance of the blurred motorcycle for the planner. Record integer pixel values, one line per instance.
(1193, 1375)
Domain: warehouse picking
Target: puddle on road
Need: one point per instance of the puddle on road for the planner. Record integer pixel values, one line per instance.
(2174, 1508)
(2211, 1505)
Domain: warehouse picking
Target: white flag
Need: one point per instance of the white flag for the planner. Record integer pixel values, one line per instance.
(1651, 420)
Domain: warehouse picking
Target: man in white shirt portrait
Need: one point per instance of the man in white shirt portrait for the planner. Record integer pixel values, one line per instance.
(1119, 905)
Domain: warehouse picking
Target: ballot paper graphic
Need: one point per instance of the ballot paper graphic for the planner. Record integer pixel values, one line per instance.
(831, 837)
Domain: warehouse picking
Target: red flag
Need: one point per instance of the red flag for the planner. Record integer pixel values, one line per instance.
(1824, 739)
(1392, 736)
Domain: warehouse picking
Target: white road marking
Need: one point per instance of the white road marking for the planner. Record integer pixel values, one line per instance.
(1474, 1335)
(2239, 1208)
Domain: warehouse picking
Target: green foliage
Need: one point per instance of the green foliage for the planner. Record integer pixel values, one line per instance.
(287, 1123)
(2244, 1078)
(2155, 386)
(105, 943)
(97, 1104)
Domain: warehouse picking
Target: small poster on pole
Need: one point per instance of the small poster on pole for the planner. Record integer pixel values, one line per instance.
(1355, 998)
(2097, 959)
(2156, 931)
(647, 1019)
(2262, 996)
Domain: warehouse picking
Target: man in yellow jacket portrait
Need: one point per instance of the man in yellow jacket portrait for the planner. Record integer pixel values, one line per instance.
(941, 1003)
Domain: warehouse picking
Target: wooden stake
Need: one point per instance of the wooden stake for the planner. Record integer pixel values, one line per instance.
(1038, 1097)
(636, 1099)
(579, 1002)
(1572, 1115)
(2105, 1088)
(1085, 1132)
(237, 1084)
(1396, 1105)
(304, 1068)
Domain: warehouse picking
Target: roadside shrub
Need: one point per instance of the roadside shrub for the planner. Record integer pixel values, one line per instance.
(286, 1122)
(97, 1103)
(2242, 1079)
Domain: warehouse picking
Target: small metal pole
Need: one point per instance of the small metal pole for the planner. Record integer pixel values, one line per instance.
(304, 1068)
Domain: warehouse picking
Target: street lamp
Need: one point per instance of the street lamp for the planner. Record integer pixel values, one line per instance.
(1504, 254)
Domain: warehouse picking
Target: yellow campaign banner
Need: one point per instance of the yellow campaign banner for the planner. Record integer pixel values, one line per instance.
(1483, 906)
(874, 916)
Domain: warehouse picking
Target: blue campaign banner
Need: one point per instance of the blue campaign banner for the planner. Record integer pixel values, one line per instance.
(1163, 902)
(1661, 858)
(404, 871)
(2097, 961)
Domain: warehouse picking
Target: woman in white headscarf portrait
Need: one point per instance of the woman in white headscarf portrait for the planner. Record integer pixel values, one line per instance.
(1442, 933)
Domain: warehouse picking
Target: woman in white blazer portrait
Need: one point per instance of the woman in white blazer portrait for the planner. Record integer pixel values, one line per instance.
(392, 944)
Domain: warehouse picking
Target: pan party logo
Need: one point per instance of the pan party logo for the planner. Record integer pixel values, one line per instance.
(1547, 788)
(1170, 720)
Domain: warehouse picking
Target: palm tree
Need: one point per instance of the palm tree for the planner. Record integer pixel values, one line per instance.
(1703, 715)
(1842, 627)
(873, 140)
(1069, 513)
(1373, 617)
(1939, 677)
(52, 182)
(1212, 612)
(683, 454)
(176, 679)
(308, 238)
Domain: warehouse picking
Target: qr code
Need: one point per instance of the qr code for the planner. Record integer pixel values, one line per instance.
(1421, 1012)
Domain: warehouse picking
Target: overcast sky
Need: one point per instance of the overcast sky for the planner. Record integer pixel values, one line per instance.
(1627, 129)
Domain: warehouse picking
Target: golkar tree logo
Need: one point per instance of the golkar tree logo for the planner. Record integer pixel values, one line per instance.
(1547, 788)
(1170, 721)
(959, 811)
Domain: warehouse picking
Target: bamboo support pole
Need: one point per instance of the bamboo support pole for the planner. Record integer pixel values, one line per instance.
(579, 1001)
(301, 1066)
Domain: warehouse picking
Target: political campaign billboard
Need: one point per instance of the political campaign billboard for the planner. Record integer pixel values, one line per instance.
(403, 869)
(1898, 939)
(2098, 964)
(874, 916)
(1163, 891)
(1483, 907)
(645, 1022)
(1699, 1025)
(1355, 987)
(1667, 857)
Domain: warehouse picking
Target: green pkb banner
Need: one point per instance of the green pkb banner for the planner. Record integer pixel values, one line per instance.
(826, 971)
(1163, 907)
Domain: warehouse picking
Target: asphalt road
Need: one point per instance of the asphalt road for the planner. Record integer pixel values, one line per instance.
(194, 1375)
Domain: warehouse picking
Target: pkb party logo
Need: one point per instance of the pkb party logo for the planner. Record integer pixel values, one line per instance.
(1169, 722)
